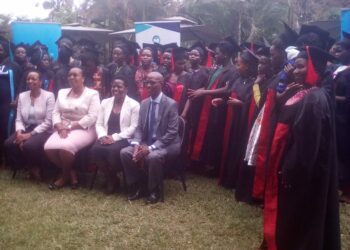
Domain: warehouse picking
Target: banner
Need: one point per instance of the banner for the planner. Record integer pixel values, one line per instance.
(345, 20)
(29, 32)
(162, 32)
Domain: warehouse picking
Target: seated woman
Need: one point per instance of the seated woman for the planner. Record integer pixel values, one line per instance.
(33, 126)
(116, 124)
(74, 119)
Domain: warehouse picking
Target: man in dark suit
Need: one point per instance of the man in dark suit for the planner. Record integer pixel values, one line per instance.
(155, 140)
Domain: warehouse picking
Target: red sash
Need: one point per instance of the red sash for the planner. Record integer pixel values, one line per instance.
(271, 193)
(203, 124)
(252, 108)
(262, 151)
(178, 92)
(227, 137)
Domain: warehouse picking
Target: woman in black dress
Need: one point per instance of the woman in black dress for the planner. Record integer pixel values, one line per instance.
(116, 123)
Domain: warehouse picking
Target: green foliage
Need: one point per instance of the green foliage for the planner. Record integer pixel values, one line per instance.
(64, 15)
(243, 19)
(256, 18)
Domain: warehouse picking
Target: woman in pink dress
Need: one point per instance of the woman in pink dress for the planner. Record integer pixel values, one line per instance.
(74, 119)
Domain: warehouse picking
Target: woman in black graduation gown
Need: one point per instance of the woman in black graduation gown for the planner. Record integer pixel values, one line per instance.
(208, 139)
(246, 169)
(61, 66)
(9, 76)
(301, 198)
(96, 75)
(198, 79)
(122, 64)
(40, 59)
(176, 81)
(342, 116)
(237, 119)
(21, 58)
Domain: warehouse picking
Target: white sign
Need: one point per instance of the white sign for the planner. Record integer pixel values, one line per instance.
(162, 32)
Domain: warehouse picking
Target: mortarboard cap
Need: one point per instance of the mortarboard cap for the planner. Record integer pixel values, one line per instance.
(263, 51)
(235, 47)
(65, 41)
(307, 38)
(248, 56)
(319, 57)
(36, 52)
(168, 47)
(179, 53)
(129, 47)
(251, 46)
(289, 36)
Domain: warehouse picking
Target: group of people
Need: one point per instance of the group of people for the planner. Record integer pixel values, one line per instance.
(270, 122)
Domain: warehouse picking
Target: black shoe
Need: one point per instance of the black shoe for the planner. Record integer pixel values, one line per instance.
(152, 198)
(137, 195)
(53, 186)
(74, 186)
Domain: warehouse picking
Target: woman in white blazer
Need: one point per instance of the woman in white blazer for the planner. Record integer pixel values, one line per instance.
(33, 126)
(115, 125)
(74, 119)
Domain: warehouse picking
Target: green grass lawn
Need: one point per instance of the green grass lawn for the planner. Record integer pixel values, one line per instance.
(204, 217)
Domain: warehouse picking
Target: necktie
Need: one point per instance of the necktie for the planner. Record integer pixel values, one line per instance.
(152, 122)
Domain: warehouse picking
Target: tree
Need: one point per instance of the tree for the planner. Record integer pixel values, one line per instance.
(121, 14)
(4, 24)
(61, 11)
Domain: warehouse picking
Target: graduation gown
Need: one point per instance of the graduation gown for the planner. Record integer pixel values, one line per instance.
(9, 81)
(208, 140)
(246, 171)
(301, 198)
(342, 121)
(127, 72)
(197, 79)
(235, 133)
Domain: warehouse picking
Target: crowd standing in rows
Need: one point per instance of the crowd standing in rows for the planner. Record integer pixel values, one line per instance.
(270, 122)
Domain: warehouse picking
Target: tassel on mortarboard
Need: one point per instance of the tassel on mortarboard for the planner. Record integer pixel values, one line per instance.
(311, 76)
